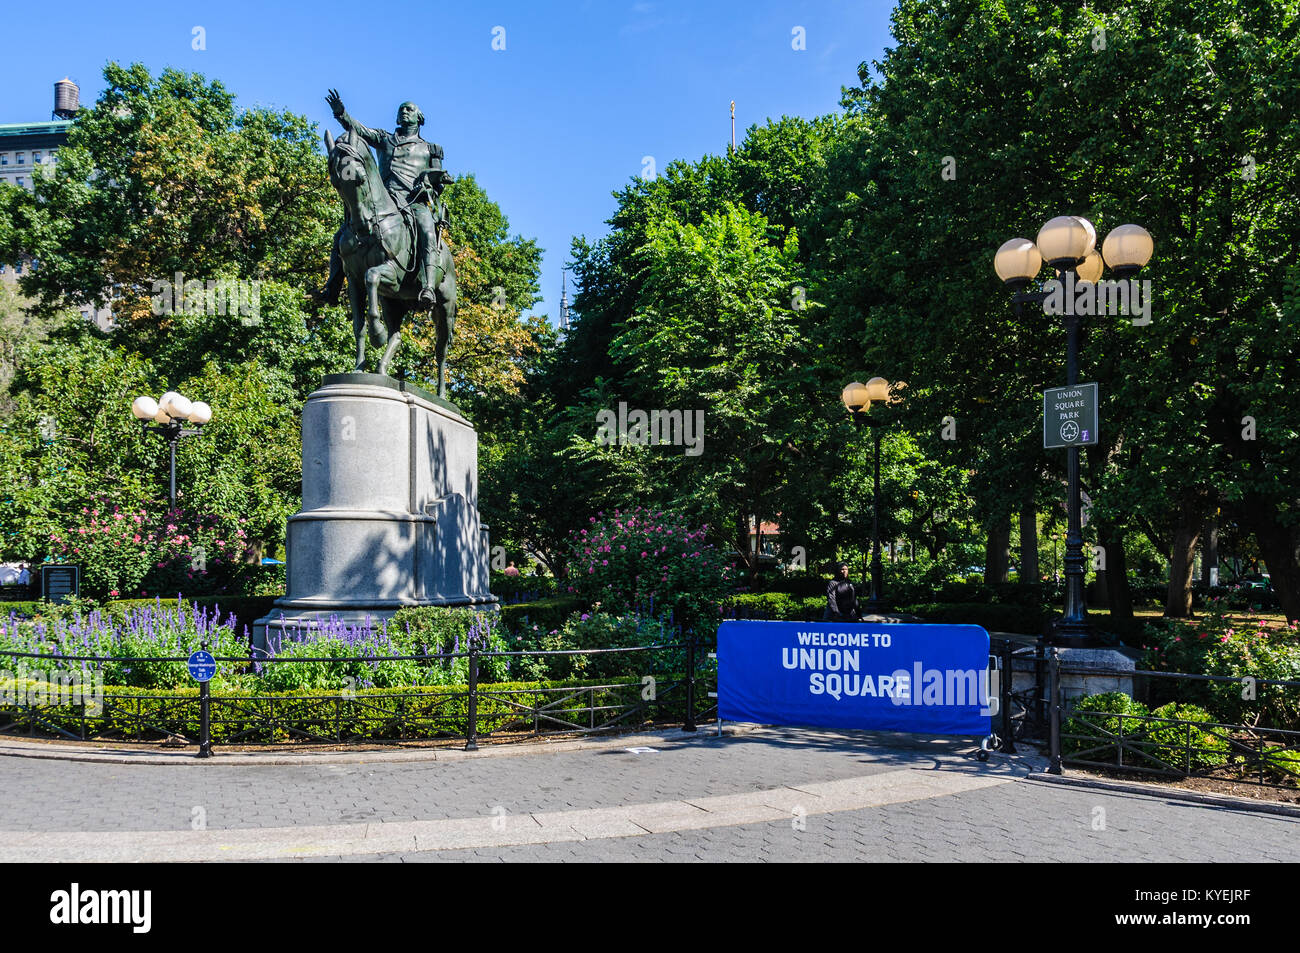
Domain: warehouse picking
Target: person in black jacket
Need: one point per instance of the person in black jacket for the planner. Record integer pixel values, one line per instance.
(841, 598)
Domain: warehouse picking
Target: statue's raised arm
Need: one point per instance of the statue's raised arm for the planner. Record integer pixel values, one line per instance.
(373, 136)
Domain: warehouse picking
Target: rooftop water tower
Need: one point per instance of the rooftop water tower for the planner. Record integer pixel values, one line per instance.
(66, 99)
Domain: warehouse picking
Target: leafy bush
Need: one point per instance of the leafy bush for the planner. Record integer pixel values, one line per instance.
(994, 618)
(129, 552)
(422, 711)
(522, 588)
(170, 630)
(776, 606)
(641, 560)
(597, 630)
(1218, 645)
(359, 656)
(1184, 745)
(1088, 721)
(547, 613)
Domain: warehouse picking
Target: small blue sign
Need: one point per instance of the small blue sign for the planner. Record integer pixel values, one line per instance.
(202, 666)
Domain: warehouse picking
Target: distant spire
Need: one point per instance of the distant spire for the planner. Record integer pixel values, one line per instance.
(733, 125)
(564, 299)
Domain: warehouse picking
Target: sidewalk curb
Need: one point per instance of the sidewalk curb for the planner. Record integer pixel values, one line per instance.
(45, 751)
(1168, 793)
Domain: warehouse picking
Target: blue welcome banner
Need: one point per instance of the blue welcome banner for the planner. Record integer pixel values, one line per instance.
(930, 679)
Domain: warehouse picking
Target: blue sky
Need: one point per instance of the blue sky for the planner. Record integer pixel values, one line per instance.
(550, 125)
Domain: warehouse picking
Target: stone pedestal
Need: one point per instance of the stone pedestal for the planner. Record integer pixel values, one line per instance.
(1111, 670)
(389, 512)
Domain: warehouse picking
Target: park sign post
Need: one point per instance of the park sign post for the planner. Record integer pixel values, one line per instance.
(1070, 416)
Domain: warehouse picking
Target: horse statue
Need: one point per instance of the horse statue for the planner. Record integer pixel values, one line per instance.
(377, 249)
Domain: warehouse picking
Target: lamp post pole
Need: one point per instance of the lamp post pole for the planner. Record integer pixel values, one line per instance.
(1068, 244)
(876, 601)
(1074, 625)
(857, 398)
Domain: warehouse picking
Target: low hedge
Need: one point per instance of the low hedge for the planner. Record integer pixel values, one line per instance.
(511, 589)
(367, 714)
(776, 606)
(993, 617)
(548, 613)
(29, 609)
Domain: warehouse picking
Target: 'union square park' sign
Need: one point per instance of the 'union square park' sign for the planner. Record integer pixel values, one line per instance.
(1070, 416)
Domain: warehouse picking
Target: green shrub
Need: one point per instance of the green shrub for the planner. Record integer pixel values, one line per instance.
(598, 630)
(418, 712)
(547, 613)
(24, 610)
(994, 618)
(522, 588)
(652, 562)
(1095, 730)
(124, 552)
(1236, 649)
(1184, 746)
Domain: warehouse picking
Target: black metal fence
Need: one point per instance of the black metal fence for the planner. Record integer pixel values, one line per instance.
(666, 693)
(1143, 743)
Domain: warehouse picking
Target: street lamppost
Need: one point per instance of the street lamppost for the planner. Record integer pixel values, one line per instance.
(169, 415)
(857, 398)
(1068, 244)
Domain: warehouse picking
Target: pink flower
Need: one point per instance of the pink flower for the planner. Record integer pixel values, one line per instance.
(135, 538)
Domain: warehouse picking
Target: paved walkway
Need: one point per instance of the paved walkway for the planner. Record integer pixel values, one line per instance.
(755, 795)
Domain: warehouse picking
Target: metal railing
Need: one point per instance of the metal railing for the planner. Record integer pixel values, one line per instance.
(1148, 744)
(469, 712)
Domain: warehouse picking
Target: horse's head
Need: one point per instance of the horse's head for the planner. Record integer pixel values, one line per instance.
(347, 163)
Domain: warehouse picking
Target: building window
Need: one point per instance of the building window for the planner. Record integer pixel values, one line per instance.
(19, 181)
(18, 268)
(4, 158)
(3, 268)
(36, 158)
(18, 158)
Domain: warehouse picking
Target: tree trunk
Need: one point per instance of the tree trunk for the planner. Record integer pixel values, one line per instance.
(1029, 544)
(1118, 595)
(1280, 546)
(742, 544)
(1210, 553)
(1178, 602)
(997, 550)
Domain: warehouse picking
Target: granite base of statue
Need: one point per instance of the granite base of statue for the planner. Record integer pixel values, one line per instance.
(389, 514)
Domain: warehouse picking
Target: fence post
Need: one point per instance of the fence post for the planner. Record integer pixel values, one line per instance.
(1054, 712)
(1008, 729)
(690, 682)
(205, 713)
(471, 729)
(1040, 686)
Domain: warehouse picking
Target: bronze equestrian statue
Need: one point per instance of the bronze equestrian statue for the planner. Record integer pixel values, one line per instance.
(390, 246)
